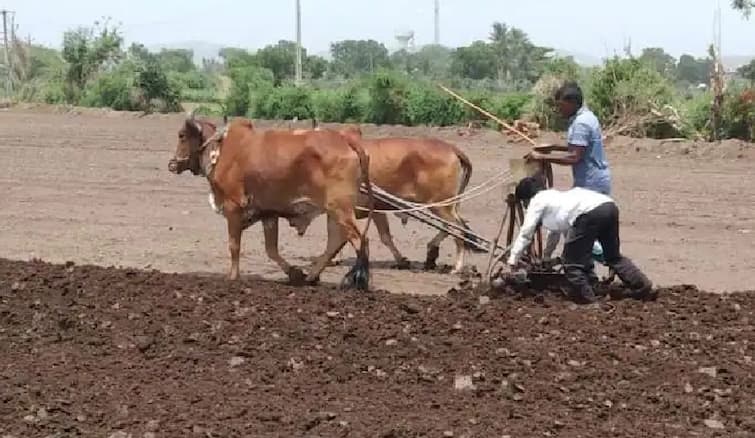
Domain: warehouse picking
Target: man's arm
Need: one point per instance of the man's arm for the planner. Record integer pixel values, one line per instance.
(527, 230)
(578, 140)
(546, 148)
(573, 156)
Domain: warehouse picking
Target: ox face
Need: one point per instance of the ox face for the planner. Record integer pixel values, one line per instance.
(190, 139)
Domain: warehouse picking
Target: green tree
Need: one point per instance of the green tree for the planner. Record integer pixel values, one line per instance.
(179, 60)
(517, 58)
(354, 57)
(564, 67)
(476, 61)
(433, 60)
(231, 55)
(387, 98)
(315, 66)
(659, 60)
(280, 59)
(745, 6)
(86, 50)
(693, 70)
(747, 71)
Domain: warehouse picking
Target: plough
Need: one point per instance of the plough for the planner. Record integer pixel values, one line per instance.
(513, 216)
(429, 218)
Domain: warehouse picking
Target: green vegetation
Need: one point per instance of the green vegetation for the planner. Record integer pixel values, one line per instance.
(652, 94)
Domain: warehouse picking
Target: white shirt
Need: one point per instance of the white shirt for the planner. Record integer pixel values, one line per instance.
(557, 210)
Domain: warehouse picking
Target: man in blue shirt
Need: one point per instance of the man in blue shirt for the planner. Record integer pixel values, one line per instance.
(584, 151)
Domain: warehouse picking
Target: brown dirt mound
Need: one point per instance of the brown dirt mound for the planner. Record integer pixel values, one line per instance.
(88, 351)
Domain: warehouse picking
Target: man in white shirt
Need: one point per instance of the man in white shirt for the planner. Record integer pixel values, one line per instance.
(584, 215)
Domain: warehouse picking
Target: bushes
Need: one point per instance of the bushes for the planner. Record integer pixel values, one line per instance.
(426, 106)
(627, 93)
(387, 99)
(738, 115)
(283, 103)
(339, 105)
(132, 86)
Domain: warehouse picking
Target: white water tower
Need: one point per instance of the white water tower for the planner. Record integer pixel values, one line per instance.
(405, 40)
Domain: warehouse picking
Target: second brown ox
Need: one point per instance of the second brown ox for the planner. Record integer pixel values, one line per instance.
(264, 175)
(421, 170)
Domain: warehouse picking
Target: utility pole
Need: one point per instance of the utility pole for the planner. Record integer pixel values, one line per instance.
(437, 22)
(6, 48)
(298, 42)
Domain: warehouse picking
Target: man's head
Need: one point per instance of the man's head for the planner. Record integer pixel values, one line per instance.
(568, 99)
(527, 188)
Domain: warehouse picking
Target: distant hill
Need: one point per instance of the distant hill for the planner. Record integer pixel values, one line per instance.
(733, 62)
(201, 49)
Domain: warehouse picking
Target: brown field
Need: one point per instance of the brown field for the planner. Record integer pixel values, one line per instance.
(133, 352)
(94, 188)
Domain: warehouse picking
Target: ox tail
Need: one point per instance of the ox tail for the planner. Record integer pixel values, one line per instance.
(466, 168)
(359, 276)
(466, 175)
(364, 164)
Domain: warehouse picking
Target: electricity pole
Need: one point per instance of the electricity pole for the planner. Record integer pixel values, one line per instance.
(437, 22)
(298, 42)
(8, 84)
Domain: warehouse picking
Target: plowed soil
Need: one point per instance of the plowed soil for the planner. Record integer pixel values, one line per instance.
(104, 352)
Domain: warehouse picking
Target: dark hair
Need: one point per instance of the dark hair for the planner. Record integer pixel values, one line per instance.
(527, 188)
(571, 92)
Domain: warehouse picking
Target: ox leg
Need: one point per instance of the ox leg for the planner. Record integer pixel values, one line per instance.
(381, 223)
(336, 241)
(233, 216)
(270, 227)
(433, 247)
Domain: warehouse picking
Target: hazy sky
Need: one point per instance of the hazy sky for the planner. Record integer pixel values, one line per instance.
(593, 27)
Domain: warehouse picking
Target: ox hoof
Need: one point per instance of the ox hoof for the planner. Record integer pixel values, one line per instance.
(358, 277)
(432, 257)
(404, 263)
(313, 282)
(296, 276)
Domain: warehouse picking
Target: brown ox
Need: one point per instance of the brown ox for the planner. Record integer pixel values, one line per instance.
(263, 175)
(422, 170)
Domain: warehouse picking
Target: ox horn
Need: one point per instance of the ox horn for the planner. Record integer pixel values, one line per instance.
(190, 116)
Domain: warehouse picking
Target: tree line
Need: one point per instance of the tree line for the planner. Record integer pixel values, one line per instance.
(650, 94)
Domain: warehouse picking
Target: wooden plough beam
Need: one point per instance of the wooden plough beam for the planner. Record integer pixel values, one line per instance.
(432, 220)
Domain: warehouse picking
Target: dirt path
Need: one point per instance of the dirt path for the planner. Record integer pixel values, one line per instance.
(94, 188)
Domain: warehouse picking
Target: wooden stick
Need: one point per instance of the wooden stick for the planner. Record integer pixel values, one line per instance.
(491, 116)
(491, 254)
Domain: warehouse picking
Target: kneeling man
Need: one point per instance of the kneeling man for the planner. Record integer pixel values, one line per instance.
(585, 216)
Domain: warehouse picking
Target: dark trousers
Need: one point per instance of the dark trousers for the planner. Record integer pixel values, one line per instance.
(601, 223)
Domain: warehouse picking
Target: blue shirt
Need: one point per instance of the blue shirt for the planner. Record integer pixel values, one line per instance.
(592, 171)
